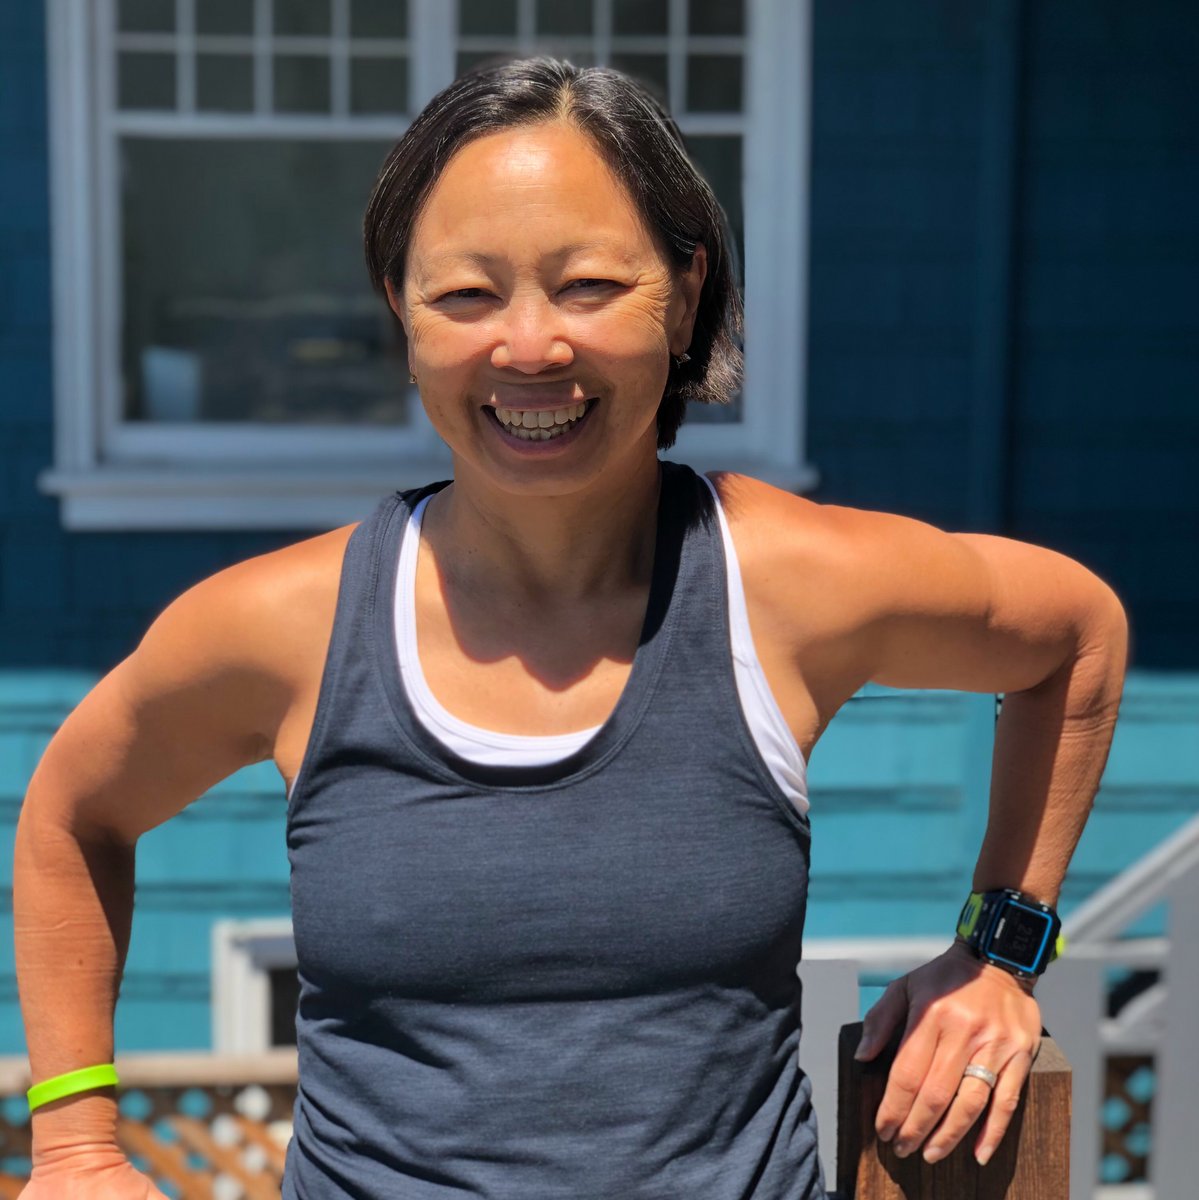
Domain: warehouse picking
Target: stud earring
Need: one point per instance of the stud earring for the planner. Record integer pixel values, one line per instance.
(682, 358)
(411, 377)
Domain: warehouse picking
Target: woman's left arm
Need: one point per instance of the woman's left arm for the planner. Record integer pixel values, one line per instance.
(981, 613)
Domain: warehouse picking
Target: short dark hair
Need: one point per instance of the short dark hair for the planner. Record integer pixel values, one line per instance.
(642, 145)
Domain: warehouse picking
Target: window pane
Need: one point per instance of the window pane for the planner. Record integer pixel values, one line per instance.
(245, 295)
(378, 85)
(145, 80)
(639, 16)
(301, 83)
(146, 16)
(224, 82)
(466, 59)
(379, 18)
(302, 17)
(650, 69)
(284, 983)
(487, 17)
(717, 17)
(719, 161)
(718, 158)
(224, 16)
(571, 17)
(714, 83)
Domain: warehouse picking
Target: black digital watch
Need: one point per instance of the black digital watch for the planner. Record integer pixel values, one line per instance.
(1011, 930)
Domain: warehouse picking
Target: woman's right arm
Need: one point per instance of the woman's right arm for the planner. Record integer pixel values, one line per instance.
(197, 700)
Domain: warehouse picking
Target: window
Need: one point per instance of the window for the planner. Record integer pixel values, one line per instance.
(220, 358)
(255, 988)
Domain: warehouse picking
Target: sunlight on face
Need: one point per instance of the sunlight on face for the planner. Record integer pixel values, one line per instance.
(531, 277)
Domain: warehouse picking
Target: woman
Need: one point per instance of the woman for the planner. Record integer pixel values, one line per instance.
(544, 727)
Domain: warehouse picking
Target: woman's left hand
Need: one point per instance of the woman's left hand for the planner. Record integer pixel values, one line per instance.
(958, 1010)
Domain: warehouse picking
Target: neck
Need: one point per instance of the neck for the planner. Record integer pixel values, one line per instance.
(546, 551)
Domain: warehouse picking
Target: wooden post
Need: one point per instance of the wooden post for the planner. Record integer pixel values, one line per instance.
(1031, 1163)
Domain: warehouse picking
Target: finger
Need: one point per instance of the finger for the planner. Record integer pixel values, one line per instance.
(906, 1078)
(882, 1020)
(937, 1091)
(1004, 1103)
(972, 1098)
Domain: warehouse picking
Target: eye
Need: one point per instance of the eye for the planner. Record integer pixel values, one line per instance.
(600, 282)
(460, 294)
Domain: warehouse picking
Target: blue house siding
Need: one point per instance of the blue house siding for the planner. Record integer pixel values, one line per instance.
(1028, 367)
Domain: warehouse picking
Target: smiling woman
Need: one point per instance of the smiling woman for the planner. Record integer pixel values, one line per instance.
(545, 725)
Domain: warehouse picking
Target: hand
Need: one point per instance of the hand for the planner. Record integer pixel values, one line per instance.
(89, 1175)
(958, 1010)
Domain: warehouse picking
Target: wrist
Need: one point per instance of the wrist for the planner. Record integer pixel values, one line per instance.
(75, 1126)
(1026, 983)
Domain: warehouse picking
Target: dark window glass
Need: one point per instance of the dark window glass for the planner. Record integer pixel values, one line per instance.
(224, 16)
(716, 17)
(146, 16)
(379, 18)
(224, 82)
(285, 1003)
(640, 17)
(378, 85)
(245, 298)
(714, 83)
(301, 83)
(145, 80)
(719, 161)
(487, 17)
(650, 69)
(466, 59)
(569, 17)
(302, 17)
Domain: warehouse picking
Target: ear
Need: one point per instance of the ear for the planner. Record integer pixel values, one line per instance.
(691, 283)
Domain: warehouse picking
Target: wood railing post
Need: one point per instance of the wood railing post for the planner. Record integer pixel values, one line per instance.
(1031, 1163)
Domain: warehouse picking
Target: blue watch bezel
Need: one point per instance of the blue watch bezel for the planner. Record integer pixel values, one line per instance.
(994, 905)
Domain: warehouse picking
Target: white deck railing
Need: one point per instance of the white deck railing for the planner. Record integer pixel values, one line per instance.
(1163, 1021)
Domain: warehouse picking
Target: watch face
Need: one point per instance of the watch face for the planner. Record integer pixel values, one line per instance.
(1020, 936)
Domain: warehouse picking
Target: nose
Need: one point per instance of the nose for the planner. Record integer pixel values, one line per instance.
(532, 336)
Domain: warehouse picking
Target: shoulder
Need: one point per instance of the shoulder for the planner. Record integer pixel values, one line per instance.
(249, 631)
(795, 554)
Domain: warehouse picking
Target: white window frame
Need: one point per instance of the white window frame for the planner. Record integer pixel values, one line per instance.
(111, 474)
(243, 954)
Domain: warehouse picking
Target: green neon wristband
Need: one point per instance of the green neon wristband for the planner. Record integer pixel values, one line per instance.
(70, 1083)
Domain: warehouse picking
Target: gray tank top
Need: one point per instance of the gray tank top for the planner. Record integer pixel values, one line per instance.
(572, 981)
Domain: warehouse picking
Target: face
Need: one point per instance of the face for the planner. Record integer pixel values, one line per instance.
(540, 314)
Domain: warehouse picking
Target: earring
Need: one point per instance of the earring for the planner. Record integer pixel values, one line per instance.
(411, 377)
(683, 358)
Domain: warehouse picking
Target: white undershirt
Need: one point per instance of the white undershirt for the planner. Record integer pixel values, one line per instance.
(770, 731)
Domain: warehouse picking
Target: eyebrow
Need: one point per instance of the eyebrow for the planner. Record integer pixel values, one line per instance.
(477, 258)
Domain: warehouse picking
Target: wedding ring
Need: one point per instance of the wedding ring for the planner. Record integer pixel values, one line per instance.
(980, 1072)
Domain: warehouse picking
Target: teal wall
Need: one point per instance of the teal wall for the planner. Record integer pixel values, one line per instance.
(898, 785)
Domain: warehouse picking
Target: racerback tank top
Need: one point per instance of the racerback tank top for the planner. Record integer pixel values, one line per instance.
(569, 981)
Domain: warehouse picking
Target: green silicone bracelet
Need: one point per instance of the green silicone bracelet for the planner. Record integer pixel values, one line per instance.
(70, 1083)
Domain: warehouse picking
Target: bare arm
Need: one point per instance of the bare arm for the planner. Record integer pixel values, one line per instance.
(983, 613)
(195, 702)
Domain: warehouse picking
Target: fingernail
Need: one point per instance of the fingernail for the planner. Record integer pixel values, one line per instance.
(886, 1133)
(933, 1154)
(983, 1156)
(902, 1149)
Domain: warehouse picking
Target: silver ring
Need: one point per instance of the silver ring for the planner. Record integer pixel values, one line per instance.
(978, 1072)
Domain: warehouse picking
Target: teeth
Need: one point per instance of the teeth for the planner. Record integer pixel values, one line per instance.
(540, 424)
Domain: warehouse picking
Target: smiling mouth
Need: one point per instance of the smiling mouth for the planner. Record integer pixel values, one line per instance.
(540, 425)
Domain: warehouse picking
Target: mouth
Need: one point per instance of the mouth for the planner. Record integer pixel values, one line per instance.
(540, 425)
